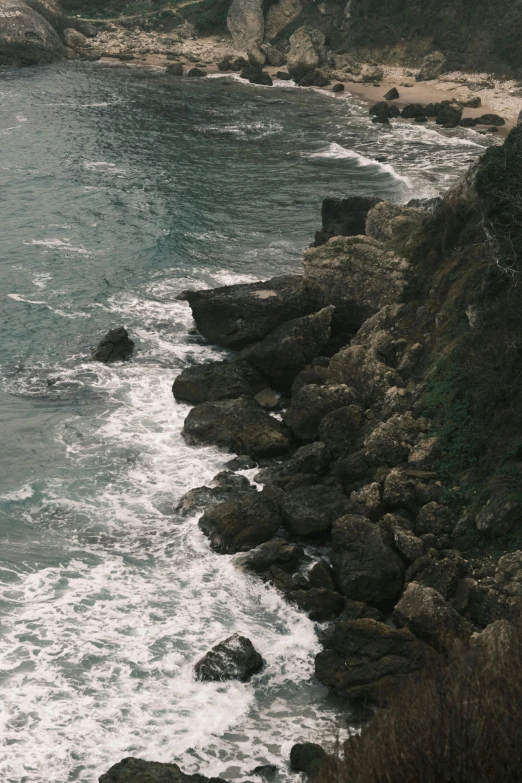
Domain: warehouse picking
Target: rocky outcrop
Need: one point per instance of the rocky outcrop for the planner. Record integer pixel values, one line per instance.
(132, 770)
(217, 381)
(311, 404)
(116, 346)
(243, 523)
(236, 315)
(233, 659)
(432, 67)
(277, 552)
(498, 516)
(356, 274)
(238, 425)
(387, 221)
(307, 52)
(311, 510)
(225, 486)
(26, 37)
(344, 217)
(280, 14)
(287, 350)
(310, 758)
(247, 25)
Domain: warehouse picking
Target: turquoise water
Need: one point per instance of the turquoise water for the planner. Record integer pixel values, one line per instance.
(118, 189)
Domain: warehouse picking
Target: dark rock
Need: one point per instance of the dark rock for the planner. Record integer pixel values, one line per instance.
(224, 486)
(321, 575)
(491, 119)
(473, 103)
(319, 603)
(413, 110)
(427, 615)
(174, 69)
(421, 118)
(443, 575)
(407, 544)
(266, 771)
(311, 404)
(116, 346)
(242, 523)
(433, 518)
(309, 758)
(261, 77)
(236, 315)
(283, 76)
(519, 118)
(217, 381)
(392, 95)
(73, 39)
(27, 37)
(358, 610)
(449, 115)
(352, 469)
(126, 56)
(196, 73)
(387, 221)
(225, 65)
(314, 79)
(233, 659)
(311, 510)
(310, 375)
(274, 56)
(432, 67)
(292, 346)
(277, 552)
(267, 399)
(307, 52)
(340, 428)
(338, 87)
(367, 501)
(365, 659)
(131, 770)
(344, 217)
(309, 462)
(365, 565)
(236, 425)
(499, 516)
(241, 463)
(381, 111)
(399, 491)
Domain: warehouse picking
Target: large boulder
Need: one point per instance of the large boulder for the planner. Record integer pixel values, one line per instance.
(240, 426)
(274, 56)
(116, 346)
(365, 565)
(310, 758)
(131, 770)
(387, 221)
(242, 523)
(312, 510)
(319, 603)
(344, 217)
(287, 350)
(499, 516)
(307, 52)
(246, 24)
(73, 39)
(427, 615)
(26, 37)
(236, 315)
(217, 381)
(310, 405)
(364, 659)
(279, 15)
(363, 368)
(450, 116)
(339, 430)
(225, 486)
(432, 67)
(357, 275)
(233, 659)
(276, 552)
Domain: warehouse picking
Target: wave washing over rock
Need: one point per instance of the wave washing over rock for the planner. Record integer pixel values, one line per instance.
(110, 594)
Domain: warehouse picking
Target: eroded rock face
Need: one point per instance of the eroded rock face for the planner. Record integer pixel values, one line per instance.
(116, 346)
(217, 381)
(131, 770)
(279, 15)
(344, 217)
(365, 658)
(236, 315)
(233, 659)
(246, 24)
(26, 37)
(307, 52)
(238, 425)
(357, 275)
(293, 345)
(432, 67)
(365, 565)
(387, 221)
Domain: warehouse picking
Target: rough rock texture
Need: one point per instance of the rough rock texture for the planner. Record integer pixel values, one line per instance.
(310, 758)
(498, 516)
(357, 275)
(233, 659)
(116, 346)
(246, 24)
(387, 221)
(432, 67)
(366, 567)
(310, 510)
(243, 523)
(344, 217)
(238, 425)
(311, 404)
(307, 52)
(236, 315)
(217, 381)
(319, 603)
(426, 614)
(274, 57)
(225, 486)
(277, 552)
(287, 350)
(131, 770)
(339, 429)
(364, 368)
(365, 658)
(26, 37)
(73, 38)
(279, 15)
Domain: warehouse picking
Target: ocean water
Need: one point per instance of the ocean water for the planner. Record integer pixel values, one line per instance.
(119, 188)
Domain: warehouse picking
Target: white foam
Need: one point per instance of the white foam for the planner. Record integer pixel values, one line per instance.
(20, 494)
(337, 152)
(59, 244)
(19, 298)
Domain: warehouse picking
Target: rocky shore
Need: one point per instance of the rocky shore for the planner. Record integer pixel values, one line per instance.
(332, 403)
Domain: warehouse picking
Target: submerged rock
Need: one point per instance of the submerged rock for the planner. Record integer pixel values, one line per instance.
(238, 425)
(116, 346)
(236, 315)
(132, 770)
(233, 659)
